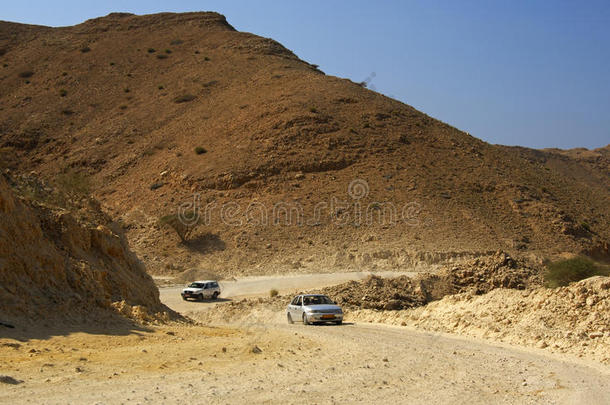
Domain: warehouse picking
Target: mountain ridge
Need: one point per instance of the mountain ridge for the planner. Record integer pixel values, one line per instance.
(126, 100)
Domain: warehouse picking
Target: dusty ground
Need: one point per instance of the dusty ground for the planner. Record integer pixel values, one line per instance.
(353, 363)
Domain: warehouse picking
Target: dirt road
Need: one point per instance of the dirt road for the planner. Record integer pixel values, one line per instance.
(261, 285)
(353, 363)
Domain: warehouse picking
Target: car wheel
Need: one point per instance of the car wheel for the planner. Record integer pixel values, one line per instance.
(290, 321)
(305, 321)
(215, 295)
(184, 298)
(200, 297)
(338, 322)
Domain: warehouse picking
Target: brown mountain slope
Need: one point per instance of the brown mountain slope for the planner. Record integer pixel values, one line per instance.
(127, 99)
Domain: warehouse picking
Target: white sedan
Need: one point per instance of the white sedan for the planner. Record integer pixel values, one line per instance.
(314, 308)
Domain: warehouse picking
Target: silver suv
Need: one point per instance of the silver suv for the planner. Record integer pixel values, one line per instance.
(200, 290)
(314, 308)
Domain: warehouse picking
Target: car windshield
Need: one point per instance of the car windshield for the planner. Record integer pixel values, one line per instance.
(316, 300)
(196, 285)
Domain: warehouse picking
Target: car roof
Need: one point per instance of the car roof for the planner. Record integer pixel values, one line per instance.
(205, 281)
(312, 295)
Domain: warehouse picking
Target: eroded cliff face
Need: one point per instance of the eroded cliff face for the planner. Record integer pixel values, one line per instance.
(53, 266)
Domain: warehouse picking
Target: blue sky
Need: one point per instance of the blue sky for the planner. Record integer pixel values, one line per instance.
(531, 73)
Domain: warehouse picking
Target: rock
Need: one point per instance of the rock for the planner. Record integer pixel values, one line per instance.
(594, 335)
(299, 176)
(224, 349)
(6, 379)
(256, 350)
(156, 186)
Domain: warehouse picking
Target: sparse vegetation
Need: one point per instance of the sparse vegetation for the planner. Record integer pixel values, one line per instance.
(160, 87)
(185, 98)
(404, 139)
(205, 58)
(273, 293)
(63, 92)
(313, 109)
(564, 272)
(585, 225)
(122, 107)
(2, 51)
(152, 50)
(200, 150)
(67, 111)
(168, 51)
(74, 183)
(26, 74)
(85, 49)
(126, 90)
(183, 224)
(161, 56)
(176, 42)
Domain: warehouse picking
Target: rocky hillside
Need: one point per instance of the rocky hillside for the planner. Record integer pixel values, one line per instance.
(59, 264)
(292, 170)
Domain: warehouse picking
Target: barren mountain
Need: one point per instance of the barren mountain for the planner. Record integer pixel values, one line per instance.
(292, 169)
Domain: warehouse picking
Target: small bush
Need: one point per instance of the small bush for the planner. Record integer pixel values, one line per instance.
(564, 272)
(313, 109)
(273, 293)
(85, 49)
(67, 111)
(176, 42)
(63, 92)
(74, 183)
(160, 87)
(123, 107)
(152, 50)
(585, 225)
(185, 98)
(26, 74)
(161, 56)
(168, 51)
(200, 150)
(126, 90)
(2, 51)
(111, 63)
(184, 225)
(205, 58)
